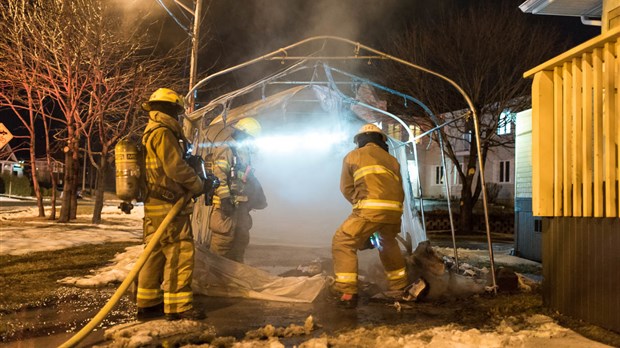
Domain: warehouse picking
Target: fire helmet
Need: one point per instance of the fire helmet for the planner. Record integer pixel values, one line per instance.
(369, 128)
(165, 95)
(248, 125)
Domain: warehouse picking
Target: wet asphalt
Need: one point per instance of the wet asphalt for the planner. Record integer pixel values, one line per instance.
(53, 325)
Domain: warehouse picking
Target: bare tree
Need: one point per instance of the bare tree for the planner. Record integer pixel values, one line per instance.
(18, 74)
(94, 70)
(62, 38)
(124, 69)
(50, 160)
(485, 48)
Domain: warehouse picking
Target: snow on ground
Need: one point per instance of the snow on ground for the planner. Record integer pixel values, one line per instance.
(539, 331)
(21, 232)
(477, 255)
(536, 331)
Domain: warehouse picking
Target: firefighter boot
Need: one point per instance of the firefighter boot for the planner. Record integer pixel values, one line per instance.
(190, 314)
(348, 301)
(152, 312)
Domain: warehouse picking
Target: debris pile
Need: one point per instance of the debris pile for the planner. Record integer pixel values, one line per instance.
(269, 331)
(158, 333)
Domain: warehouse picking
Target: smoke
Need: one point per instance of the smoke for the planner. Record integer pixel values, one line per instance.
(149, 18)
(299, 167)
(242, 30)
(133, 10)
(351, 19)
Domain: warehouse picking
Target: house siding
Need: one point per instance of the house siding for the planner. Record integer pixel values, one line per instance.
(528, 241)
(523, 155)
(430, 157)
(581, 261)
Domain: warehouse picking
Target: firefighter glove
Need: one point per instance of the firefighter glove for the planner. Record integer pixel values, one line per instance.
(198, 164)
(227, 207)
(210, 183)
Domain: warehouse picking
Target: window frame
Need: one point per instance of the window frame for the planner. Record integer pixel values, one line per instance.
(505, 124)
(439, 175)
(503, 172)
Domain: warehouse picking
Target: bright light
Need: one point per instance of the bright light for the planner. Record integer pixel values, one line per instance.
(314, 141)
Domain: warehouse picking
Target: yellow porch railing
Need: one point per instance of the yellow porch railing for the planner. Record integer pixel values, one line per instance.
(576, 130)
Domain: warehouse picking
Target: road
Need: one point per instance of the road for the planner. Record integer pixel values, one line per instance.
(10, 203)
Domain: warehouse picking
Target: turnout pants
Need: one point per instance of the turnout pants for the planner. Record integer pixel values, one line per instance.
(350, 237)
(167, 274)
(230, 235)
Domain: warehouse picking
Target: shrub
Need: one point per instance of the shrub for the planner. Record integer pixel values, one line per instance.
(47, 192)
(493, 189)
(15, 185)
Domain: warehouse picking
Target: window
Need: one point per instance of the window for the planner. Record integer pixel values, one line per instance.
(438, 175)
(456, 177)
(416, 130)
(504, 171)
(506, 119)
(537, 225)
(467, 136)
(394, 131)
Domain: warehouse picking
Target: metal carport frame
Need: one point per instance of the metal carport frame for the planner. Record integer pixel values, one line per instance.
(282, 55)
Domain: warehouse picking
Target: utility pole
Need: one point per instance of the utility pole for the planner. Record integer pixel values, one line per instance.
(193, 63)
(195, 40)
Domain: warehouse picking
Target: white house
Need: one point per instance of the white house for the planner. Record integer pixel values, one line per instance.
(499, 166)
(9, 163)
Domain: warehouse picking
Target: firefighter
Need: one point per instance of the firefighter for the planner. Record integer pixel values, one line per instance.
(164, 283)
(372, 183)
(239, 191)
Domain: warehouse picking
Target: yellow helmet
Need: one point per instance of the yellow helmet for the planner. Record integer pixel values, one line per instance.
(165, 95)
(369, 128)
(248, 125)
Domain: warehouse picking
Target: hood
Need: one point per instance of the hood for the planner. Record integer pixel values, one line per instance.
(157, 118)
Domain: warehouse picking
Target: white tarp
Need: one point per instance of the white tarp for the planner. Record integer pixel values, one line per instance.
(215, 276)
(218, 276)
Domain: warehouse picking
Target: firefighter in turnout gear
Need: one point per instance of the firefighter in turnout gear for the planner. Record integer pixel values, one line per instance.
(164, 283)
(239, 191)
(372, 183)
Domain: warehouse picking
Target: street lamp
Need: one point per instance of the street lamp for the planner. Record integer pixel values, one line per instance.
(194, 35)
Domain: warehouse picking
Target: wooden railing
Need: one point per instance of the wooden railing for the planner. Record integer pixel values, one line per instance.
(576, 130)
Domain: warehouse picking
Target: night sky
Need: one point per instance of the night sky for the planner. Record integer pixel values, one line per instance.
(236, 31)
(240, 30)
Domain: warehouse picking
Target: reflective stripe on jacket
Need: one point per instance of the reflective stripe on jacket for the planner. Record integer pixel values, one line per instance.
(372, 183)
(223, 156)
(165, 164)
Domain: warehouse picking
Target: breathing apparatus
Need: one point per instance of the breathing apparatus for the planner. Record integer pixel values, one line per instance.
(209, 180)
(130, 181)
(130, 158)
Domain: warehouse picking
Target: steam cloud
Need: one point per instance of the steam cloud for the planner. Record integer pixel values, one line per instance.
(301, 179)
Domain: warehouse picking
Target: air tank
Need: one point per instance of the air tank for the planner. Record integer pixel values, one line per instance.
(127, 163)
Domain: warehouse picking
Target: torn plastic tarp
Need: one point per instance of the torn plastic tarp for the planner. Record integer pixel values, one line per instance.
(218, 276)
(215, 276)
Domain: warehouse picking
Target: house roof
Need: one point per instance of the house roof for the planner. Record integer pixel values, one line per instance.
(6, 154)
(577, 8)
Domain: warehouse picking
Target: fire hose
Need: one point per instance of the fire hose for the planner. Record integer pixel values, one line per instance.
(97, 319)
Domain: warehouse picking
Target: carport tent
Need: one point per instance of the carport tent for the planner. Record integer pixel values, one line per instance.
(327, 107)
(306, 165)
